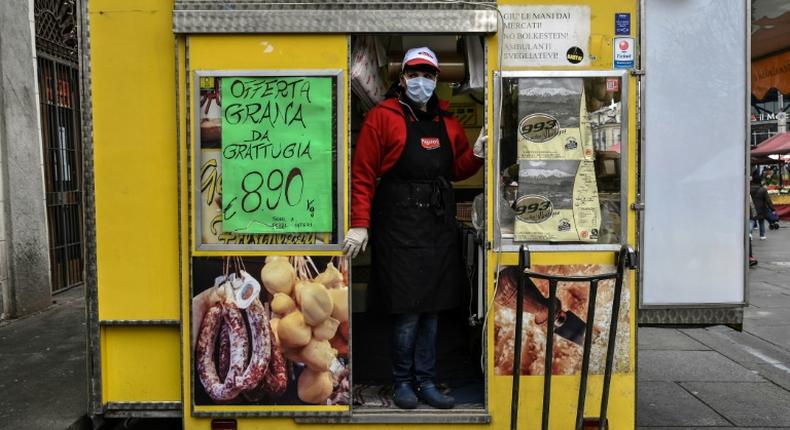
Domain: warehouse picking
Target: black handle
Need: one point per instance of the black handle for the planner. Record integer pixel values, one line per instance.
(523, 263)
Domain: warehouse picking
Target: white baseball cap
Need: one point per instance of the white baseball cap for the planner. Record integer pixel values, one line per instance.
(416, 56)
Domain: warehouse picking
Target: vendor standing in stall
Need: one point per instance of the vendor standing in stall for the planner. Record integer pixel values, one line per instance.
(416, 147)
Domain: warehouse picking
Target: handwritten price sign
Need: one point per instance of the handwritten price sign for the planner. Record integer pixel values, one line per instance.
(276, 154)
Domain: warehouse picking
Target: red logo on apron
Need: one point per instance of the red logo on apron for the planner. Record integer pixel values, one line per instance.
(429, 143)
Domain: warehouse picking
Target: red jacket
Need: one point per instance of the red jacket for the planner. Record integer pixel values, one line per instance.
(380, 144)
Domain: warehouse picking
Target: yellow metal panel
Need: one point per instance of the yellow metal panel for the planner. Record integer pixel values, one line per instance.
(141, 364)
(268, 51)
(134, 131)
(564, 391)
(183, 147)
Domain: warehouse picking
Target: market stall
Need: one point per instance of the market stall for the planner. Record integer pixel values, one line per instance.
(774, 152)
(249, 314)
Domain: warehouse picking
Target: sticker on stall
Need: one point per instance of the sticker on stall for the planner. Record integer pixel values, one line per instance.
(575, 55)
(622, 24)
(206, 82)
(277, 142)
(612, 85)
(623, 52)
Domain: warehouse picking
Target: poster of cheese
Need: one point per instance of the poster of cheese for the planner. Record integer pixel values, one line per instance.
(557, 201)
(552, 120)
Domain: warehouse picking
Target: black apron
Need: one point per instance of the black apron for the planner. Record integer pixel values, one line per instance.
(416, 260)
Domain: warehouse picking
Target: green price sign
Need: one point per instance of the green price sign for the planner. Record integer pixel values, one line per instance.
(276, 154)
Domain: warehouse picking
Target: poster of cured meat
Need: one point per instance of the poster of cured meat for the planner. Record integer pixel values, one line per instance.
(270, 330)
(570, 322)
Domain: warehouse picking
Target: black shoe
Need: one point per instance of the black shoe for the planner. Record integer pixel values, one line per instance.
(404, 396)
(432, 396)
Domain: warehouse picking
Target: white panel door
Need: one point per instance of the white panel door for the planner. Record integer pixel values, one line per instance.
(694, 151)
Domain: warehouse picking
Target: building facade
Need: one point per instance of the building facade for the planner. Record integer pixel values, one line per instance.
(41, 251)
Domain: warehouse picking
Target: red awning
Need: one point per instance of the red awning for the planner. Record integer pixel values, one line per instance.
(778, 144)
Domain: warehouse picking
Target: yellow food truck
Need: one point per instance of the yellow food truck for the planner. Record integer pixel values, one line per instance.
(220, 135)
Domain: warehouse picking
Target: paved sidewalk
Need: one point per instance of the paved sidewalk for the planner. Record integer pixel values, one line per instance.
(719, 378)
(42, 367)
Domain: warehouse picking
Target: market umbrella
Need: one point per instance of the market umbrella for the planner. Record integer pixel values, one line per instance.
(778, 144)
(773, 159)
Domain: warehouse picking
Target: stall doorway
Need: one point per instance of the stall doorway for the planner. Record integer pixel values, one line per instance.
(375, 66)
(58, 83)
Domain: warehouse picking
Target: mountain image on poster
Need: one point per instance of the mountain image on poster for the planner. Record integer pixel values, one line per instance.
(552, 120)
(557, 202)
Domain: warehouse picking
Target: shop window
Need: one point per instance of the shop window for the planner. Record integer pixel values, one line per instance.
(559, 159)
(267, 146)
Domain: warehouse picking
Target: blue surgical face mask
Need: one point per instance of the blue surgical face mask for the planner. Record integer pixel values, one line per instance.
(420, 89)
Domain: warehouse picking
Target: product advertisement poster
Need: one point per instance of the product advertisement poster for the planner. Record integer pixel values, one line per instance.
(557, 201)
(553, 121)
(570, 322)
(276, 154)
(209, 204)
(270, 331)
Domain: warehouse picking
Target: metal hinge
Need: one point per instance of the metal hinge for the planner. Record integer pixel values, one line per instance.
(637, 72)
(638, 206)
(633, 259)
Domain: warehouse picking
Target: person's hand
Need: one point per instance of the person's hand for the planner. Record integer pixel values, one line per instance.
(479, 148)
(356, 240)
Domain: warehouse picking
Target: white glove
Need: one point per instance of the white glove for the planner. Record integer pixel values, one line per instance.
(480, 144)
(356, 239)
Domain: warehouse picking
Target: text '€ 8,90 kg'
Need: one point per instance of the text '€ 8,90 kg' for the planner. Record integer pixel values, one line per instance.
(277, 152)
(272, 190)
